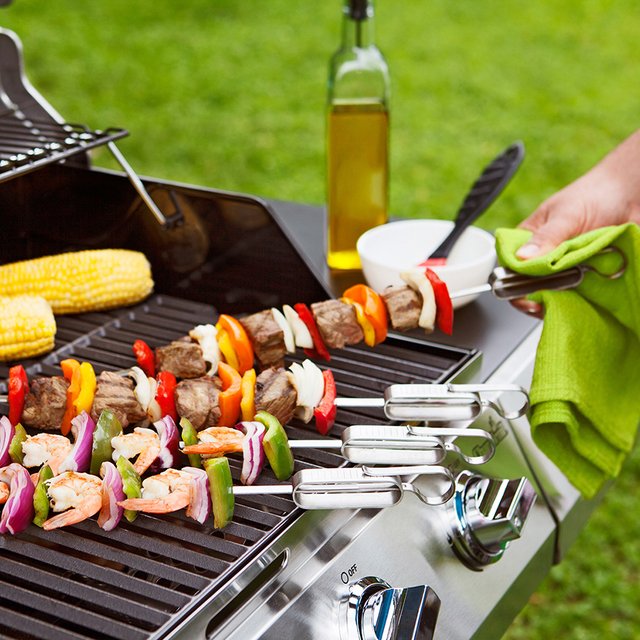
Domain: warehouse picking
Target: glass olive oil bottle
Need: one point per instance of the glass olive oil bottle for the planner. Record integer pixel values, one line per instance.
(357, 137)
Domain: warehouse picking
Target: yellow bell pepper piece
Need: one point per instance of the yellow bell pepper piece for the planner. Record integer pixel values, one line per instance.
(248, 387)
(226, 348)
(87, 389)
(363, 321)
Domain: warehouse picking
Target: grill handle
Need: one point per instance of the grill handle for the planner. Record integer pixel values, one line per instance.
(166, 223)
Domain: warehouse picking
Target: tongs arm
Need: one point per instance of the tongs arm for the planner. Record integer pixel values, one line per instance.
(506, 284)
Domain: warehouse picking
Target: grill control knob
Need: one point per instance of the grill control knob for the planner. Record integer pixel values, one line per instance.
(485, 515)
(377, 611)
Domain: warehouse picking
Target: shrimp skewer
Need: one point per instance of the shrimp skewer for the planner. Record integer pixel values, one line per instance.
(77, 495)
(163, 493)
(45, 448)
(143, 443)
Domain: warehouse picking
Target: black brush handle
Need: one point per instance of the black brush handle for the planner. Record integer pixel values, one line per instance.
(492, 181)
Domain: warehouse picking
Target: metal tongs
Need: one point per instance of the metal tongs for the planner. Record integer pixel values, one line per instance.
(509, 285)
(400, 445)
(441, 403)
(357, 487)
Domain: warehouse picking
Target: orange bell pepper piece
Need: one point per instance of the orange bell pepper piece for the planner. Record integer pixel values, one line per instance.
(230, 396)
(374, 308)
(248, 386)
(240, 341)
(71, 371)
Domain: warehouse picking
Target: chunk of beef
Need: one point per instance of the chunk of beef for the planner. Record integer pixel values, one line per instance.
(275, 394)
(182, 357)
(267, 338)
(197, 400)
(337, 323)
(45, 403)
(404, 305)
(115, 392)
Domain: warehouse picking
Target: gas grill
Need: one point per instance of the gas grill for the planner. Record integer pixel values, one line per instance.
(276, 571)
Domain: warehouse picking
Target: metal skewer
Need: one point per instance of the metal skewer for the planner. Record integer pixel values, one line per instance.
(401, 445)
(357, 488)
(440, 402)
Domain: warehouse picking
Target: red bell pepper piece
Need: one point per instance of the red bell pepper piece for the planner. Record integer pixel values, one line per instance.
(325, 412)
(18, 389)
(320, 349)
(444, 307)
(145, 357)
(165, 394)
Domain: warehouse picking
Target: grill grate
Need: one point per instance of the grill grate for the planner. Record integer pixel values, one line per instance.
(82, 582)
(27, 144)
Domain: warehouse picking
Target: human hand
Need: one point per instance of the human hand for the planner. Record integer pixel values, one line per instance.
(609, 194)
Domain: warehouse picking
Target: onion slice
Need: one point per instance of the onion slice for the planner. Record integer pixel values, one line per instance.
(142, 390)
(301, 332)
(309, 385)
(283, 323)
(252, 451)
(199, 507)
(153, 410)
(112, 493)
(79, 458)
(7, 431)
(206, 335)
(169, 445)
(18, 511)
(420, 283)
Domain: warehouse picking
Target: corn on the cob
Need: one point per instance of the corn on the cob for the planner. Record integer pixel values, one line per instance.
(27, 327)
(81, 281)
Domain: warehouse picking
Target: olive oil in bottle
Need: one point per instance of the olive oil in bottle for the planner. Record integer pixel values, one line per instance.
(357, 137)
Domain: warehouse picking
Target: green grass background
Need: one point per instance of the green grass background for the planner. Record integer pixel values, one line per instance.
(230, 94)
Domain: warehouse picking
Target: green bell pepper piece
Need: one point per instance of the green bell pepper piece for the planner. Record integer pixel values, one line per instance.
(189, 437)
(276, 446)
(131, 484)
(221, 490)
(108, 427)
(15, 447)
(40, 497)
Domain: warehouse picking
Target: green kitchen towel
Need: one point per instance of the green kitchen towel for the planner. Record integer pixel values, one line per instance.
(585, 392)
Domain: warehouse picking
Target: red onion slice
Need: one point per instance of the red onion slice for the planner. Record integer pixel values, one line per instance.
(7, 431)
(199, 503)
(18, 510)
(169, 440)
(112, 493)
(79, 458)
(252, 451)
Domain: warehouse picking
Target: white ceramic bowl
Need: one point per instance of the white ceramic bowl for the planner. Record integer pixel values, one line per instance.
(387, 250)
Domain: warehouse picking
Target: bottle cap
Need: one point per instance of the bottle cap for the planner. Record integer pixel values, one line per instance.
(358, 9)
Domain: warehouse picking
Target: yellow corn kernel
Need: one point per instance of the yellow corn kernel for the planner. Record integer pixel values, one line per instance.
(27, 327)
(81, 281)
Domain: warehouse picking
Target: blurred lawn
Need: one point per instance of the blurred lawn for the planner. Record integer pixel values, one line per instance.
(230, 94)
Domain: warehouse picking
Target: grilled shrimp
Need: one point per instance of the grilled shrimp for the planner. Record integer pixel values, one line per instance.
(45, 448)
(142, 442)
(217, 441)
(168, 491)
(4, 492)
(77, 495)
